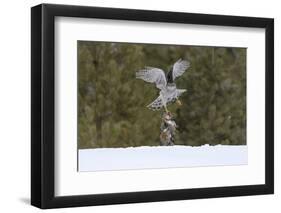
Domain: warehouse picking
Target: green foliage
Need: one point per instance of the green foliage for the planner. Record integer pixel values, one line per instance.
(112, 102)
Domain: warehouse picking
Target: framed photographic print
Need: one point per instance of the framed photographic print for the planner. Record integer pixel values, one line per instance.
(139, 106)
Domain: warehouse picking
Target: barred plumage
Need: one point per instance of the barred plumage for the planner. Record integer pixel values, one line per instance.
(168, 91)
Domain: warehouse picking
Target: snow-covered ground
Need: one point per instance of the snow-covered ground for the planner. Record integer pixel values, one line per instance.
(104, 159)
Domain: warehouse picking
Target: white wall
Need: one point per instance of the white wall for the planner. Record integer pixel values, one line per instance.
(15, 105)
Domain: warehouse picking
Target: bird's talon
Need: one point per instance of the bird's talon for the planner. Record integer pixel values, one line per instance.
(178, 102)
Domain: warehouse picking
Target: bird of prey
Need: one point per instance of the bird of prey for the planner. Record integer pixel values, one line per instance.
(168, 90)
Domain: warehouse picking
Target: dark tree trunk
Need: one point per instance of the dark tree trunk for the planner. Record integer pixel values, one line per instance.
(98, 118)
(99, 128)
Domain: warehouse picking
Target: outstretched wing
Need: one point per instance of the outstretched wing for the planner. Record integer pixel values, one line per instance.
(157, 104)
(153, 75)
(179, 68)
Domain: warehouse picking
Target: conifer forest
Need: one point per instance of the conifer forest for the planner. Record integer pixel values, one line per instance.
(112, 103)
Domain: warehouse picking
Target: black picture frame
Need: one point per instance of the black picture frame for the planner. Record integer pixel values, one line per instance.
(43, 105)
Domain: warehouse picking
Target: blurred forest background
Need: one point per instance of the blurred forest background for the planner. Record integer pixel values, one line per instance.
(112, 103)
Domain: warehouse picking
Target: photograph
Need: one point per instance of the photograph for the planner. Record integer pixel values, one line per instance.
(134, 105)
(157, 106)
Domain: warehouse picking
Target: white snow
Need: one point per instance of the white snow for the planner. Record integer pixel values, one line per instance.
(145, 157)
